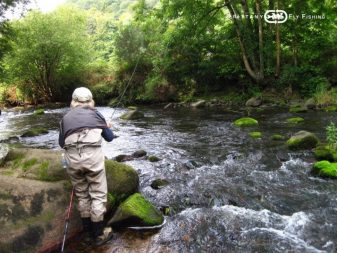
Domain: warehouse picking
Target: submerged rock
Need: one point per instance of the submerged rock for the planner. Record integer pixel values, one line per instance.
(153, 159)
(35, 132)
(136, 211)
(139, 153)
(245, 122)
(159, 183)
(255, 135)
(39, 111)
(295, 120)
(298, 109)
(325, 169)
(302, 140)
(131, 115)
(277, 137)
(123, 158)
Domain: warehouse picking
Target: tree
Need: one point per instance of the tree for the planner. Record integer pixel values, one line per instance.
(48, 52)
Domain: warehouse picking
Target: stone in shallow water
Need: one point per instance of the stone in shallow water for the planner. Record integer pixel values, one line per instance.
(35, 132)
(159, 183)
(135, 114)
(245, 122)
(302, 140)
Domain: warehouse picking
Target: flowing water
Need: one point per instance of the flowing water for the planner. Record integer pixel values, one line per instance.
(228, 192)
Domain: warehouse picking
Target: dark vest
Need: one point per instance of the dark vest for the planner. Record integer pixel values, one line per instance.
(81, 118)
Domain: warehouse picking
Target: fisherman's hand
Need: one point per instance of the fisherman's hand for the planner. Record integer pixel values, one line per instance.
(109, 124)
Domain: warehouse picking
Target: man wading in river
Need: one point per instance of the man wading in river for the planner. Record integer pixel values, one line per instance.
(81, 132)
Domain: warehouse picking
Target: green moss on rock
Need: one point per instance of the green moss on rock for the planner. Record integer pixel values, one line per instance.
(302, 140)
(137, 211)
(325, 169)
(153, 159)
(35, 132)
(122, 179)
(255, 135)
(324, 152)
(277, 137)
(39, 111)
(245, 122)
(331, 108)
(295, 120)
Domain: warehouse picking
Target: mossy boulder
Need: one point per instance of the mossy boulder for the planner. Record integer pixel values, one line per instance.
(136, 211)
(255, 135)
(38, 164)
(295, 120)
(122, 180)
(35, 132)
(277, 137)
(39, 111)
(302, 140)
(324, 152)
(325, 169)
(246, 122)
(131, 115)
(298, 109)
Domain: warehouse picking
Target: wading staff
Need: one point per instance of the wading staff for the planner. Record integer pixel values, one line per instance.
(67, 219)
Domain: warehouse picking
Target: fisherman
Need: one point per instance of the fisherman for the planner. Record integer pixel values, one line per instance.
(81, 132)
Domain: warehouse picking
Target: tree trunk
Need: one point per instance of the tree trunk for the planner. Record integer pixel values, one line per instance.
(261, 71)
(246, 62)
(278, 48)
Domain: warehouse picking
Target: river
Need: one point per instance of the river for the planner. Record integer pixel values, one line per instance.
(228, 192)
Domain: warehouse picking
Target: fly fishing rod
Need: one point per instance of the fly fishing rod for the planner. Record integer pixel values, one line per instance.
(119, 99)
(67, 220)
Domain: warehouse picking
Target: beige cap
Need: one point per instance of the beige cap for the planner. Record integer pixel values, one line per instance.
(82, 95)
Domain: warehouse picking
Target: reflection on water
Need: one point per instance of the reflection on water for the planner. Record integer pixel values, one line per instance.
(227, 192)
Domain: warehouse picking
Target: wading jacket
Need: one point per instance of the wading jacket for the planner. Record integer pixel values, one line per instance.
(80, 118)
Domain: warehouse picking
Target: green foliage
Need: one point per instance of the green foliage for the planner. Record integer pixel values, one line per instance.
(326, 169)
(331, 135)
(48, 53)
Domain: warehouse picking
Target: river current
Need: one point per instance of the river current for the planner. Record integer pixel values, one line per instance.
(227, 192)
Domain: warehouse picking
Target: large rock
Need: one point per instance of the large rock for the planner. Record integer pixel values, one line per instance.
(34, 196)
(33, 213)
(254, 102)
(325, 152)
(122, 180)
(131, 115)
(136, 211)
(302, 140)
